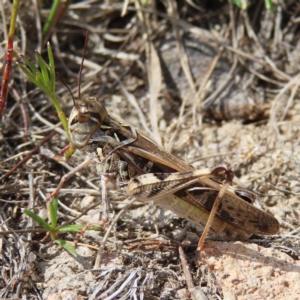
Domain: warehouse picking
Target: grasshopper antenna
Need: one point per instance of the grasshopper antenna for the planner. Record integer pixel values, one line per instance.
(64, 83)
(82, 61)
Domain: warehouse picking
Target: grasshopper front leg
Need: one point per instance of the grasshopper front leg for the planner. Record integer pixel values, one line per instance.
(155, 186)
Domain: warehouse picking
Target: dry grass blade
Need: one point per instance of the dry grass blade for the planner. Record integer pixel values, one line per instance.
(155, 82)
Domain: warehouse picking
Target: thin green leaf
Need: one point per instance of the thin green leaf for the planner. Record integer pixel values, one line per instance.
(38, 79)
(96, 228)
(52, 208)
(38, 219)
(29, 64)
(52, 67)
(70, 228)
(76, 228)
(55, 203)
(27, 73)
(51, 17)
(269, 5)
(243, 4)
(39, 82)
(66, 246)
(50, 56)
(44, 68)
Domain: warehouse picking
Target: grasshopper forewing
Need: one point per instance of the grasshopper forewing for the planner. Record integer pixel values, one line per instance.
(150, 173)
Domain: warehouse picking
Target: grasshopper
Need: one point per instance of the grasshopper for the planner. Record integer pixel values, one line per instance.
(149, 173)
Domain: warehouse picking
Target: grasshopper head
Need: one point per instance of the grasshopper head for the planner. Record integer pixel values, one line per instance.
(85, 118)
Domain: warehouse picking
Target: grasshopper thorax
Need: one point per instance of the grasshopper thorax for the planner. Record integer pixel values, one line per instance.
(85, 118)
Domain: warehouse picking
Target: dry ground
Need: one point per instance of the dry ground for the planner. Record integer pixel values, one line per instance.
(210, 83)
